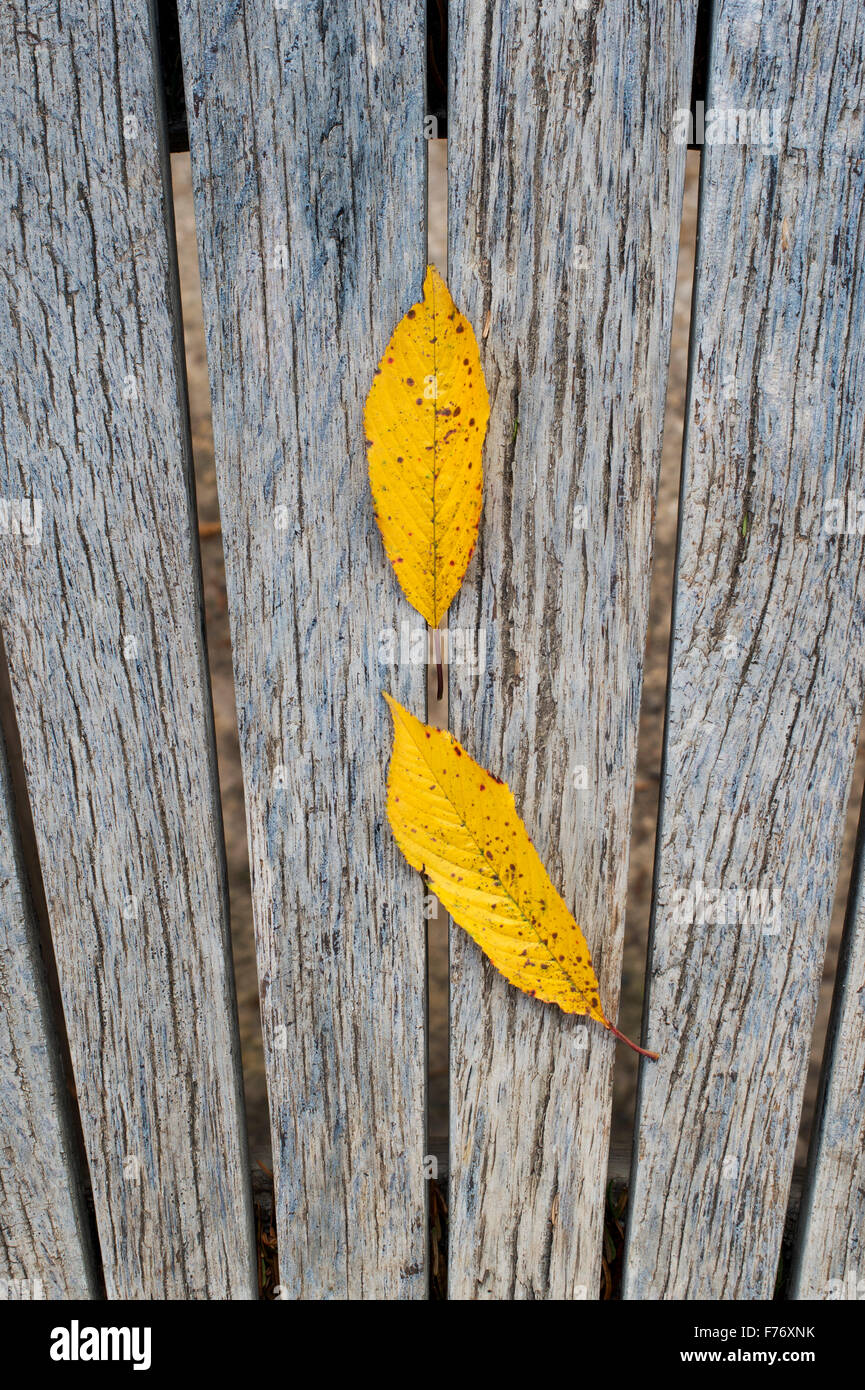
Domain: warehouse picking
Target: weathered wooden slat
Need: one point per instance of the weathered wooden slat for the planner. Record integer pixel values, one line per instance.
(101, 609)
(767, 659)
(44, 1242)
(306, 133)
(829, 1257)
(565, 198)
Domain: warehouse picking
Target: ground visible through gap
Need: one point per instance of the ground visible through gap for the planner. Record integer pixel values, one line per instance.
(221, 676)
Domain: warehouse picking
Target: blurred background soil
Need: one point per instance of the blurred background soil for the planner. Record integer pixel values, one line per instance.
(651, 724)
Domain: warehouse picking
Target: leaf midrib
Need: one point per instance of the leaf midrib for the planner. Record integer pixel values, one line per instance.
(435, 564)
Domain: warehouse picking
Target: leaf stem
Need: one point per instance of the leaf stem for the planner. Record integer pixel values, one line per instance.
(643, 1051)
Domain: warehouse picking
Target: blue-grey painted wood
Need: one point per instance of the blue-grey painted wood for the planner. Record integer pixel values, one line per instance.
(565, 198)
(101, 610)
(829, 1257)
(768, 658)
(306, 133)
(44, 1241)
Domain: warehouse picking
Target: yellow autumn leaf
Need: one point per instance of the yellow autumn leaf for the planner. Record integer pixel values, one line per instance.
(426, 417)
(459, 825)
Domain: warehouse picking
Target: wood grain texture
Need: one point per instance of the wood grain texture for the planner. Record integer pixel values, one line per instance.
(306, 131)
(102, 618)
(44, 1242)
(829, 1258)
(565, 198)
(767, 655)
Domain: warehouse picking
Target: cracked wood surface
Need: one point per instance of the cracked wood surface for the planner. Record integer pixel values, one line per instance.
(829, 1260)
(306, 133)
(44, 1239)
(102, 619)
(767, 666)
(565, 199)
